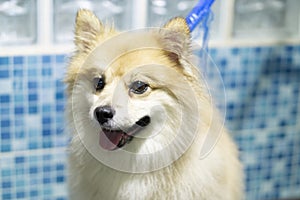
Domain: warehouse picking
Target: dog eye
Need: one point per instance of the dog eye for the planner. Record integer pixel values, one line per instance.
(99, 83)
(138, 87)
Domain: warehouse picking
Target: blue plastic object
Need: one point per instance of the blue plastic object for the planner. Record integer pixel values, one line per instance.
(199, 13)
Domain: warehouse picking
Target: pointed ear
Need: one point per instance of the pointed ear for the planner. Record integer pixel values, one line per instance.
(87, 30)
(176, 38)
(178, 24)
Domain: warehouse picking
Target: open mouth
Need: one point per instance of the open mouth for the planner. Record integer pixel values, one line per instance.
(111, 139)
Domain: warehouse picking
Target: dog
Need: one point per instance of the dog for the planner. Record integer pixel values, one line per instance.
(142, 123)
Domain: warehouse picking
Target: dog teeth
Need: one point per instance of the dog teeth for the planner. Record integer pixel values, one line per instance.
(121, 142)
(124, 139)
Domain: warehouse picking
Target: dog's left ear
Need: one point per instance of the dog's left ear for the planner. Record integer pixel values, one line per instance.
(178, 24)
(176, 38)
(89, 30)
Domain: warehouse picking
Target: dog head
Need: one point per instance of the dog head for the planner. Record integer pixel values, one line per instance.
(134, 91)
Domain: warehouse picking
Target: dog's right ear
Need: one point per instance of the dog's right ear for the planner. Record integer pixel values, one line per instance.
(88, 30)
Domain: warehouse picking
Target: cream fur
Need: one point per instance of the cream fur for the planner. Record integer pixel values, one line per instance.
(183, 119)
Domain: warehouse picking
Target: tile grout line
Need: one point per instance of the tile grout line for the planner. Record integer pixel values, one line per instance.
(34, 151)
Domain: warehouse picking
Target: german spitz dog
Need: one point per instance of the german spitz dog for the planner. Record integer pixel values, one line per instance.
(142, 122)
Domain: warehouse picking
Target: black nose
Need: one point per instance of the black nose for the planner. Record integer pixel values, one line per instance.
(104, 113)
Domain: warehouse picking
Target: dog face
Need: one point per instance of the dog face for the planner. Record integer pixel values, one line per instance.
(133, 91)
(131, 104)
(131, 101)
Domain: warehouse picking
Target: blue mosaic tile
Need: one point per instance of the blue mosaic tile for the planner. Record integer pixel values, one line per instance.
(32, 73)
(19, 134)
(32, 97)
(5, 147)
(18, 60)
(4, 61)
(60, 59)
(5, 135)
(19, 110)
(32, 109)
(47, 84)
(4, 74)
(5, 123)
(32, 85)
(18, 73)
(60, 107)
(4, 98)
(59, 95)
(32, 60)
(46, 71)
(46, 59)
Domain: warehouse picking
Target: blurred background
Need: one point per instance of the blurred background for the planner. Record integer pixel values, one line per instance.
(254, 49)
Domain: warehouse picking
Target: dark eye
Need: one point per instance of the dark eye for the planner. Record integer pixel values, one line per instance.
(99, 83)
(138, 87)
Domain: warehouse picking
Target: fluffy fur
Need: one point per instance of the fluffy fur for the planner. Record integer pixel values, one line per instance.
(184, 153)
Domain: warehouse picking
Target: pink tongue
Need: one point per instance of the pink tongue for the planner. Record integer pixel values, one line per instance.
(110, 140)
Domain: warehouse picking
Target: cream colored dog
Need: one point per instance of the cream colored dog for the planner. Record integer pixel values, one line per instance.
(143, 125)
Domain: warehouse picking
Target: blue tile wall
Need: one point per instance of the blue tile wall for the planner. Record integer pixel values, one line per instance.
(262, 111)
(32, 141)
